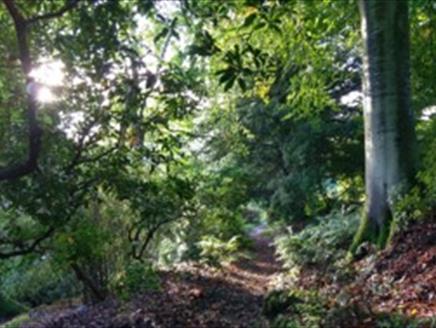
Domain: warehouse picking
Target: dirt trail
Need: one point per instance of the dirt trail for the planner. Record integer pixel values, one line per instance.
(230, 297)
(191, 297)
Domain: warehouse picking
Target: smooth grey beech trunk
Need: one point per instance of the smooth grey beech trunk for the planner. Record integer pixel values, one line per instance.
(389, 122)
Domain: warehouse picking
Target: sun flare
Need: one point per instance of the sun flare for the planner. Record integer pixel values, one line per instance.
(48, 75)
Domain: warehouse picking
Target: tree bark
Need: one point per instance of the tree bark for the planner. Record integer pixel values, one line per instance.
(388, 117)
(34, 130)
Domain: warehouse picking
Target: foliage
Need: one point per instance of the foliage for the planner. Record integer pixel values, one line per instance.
(419, 202)
(289, 131)
(9, 308)
(219, 208)
(399, 321)
(215, 251)
(322, 244)
(93, 246)
(422, 27)
(174, 117)
(38, 281)
(16, 322)
(296, 308)
(303, 308)
(136, 278)
(427, 174)
(100, 126)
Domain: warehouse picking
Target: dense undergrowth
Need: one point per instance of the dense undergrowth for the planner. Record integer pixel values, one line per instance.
(327, 285)
(391, 288)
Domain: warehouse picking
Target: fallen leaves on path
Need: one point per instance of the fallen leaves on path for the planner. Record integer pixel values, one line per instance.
(191, 296)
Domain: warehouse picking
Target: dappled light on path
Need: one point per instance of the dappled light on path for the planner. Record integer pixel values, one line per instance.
(229, 297)
(191, 296)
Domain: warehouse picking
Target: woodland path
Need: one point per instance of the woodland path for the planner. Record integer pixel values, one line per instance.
(191, 297)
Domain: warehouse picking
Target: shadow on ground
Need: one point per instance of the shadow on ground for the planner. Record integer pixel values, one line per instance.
(194, 297)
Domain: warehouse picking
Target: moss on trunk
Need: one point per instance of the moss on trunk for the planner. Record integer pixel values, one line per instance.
(375, 232)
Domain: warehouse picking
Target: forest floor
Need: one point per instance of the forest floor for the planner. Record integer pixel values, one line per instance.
(395, 287)
(401, 280)
(191, 296)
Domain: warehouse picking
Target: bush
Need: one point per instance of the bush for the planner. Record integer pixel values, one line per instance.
(137, 277)
(9, 308)
(322, 244)
(92, 245)
(295, 308)
(16, 322)
(420, 202)
(427, 175)
(38, 281)
(400, 321)
(216, 252)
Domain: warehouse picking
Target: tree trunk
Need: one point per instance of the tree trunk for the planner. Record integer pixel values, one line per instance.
(389, 122)
(93, 291)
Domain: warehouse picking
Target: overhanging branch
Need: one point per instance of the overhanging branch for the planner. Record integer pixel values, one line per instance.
(70, 4)
(20, 247)
(27, 249)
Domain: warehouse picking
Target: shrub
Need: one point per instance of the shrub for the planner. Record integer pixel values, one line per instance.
(9, 308)
(419, 203)
(137, 277)
(216, 252)
(16, 322)
(92, 245)
(401, 321)
(323, 243)
(427, 175)
(38, 281)
(295, 308)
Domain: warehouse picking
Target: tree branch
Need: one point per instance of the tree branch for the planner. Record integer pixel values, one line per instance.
(70, 4)
(97, 157)
(13, 11)
(23, 248)
(30, 248)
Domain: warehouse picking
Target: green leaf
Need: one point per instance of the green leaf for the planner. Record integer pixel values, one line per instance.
(227, 75)
(249, 20)
(242, 84)
(259, 26)
(229, 84)
(161, 34)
